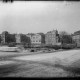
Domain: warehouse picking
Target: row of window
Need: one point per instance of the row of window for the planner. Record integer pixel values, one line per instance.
(78, 40)
(50, 35)
(37, 41)
(35, 37)
(76, 37)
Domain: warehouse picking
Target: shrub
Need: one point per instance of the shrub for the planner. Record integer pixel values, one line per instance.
(56, 47)
(12, 44)
(68, 46)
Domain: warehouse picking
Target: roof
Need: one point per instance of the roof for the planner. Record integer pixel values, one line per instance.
(30, 34)
(52, 31)
(76, 33)
(41, 34)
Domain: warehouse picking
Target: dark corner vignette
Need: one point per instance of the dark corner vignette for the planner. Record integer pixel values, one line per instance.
(35, 0)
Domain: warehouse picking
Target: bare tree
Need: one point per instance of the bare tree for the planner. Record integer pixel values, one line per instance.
(65, 37)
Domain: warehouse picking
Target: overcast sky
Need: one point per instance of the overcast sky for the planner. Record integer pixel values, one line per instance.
(32, 17)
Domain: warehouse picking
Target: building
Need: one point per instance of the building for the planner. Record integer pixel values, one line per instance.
(42, 38)
(18, 38)
(51, 37)
(29, 35)
(4, 36)
(36, 39)
(22, 40)
(7, 38)
(76, 38)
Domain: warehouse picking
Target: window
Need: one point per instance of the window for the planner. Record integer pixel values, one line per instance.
(36, 37)
(33, 37)
(36, 41)
(39, 40)
(32, 41)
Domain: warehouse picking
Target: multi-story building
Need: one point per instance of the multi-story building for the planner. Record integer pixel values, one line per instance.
(18, 38)
(7, 38)
(22, 39)
(36, 39)
(4, 36)
(51, 37)
(76, 38)
(29, 35)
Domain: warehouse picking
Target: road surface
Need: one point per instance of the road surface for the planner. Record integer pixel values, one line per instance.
(57, 64)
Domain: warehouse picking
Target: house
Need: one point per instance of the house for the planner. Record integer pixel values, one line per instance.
(51, 37)
(76, 38)
(37, 39)
(18, 38)
(30, 35)
(4, 37)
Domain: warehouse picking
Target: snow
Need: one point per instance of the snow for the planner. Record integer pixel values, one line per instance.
(6, 62)
(69, 56)
(5, 48)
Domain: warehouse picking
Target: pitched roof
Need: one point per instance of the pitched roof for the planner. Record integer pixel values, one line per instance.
(77, 33)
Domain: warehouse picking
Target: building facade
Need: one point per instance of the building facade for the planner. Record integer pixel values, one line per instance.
(36, 39)
(4, 36)
(76, 38)
(18, 38)
(51, 37)
(29, 35)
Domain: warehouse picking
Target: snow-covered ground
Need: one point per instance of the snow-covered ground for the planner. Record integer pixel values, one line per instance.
(62, 57)
(5, 48)
(63, 64)
(67, 57)
(6, 62)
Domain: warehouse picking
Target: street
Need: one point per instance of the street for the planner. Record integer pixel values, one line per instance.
(57, 64)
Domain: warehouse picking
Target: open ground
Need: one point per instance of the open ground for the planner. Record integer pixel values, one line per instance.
(27, 64)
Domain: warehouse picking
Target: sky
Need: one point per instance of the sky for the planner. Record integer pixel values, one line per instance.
(39, 16)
